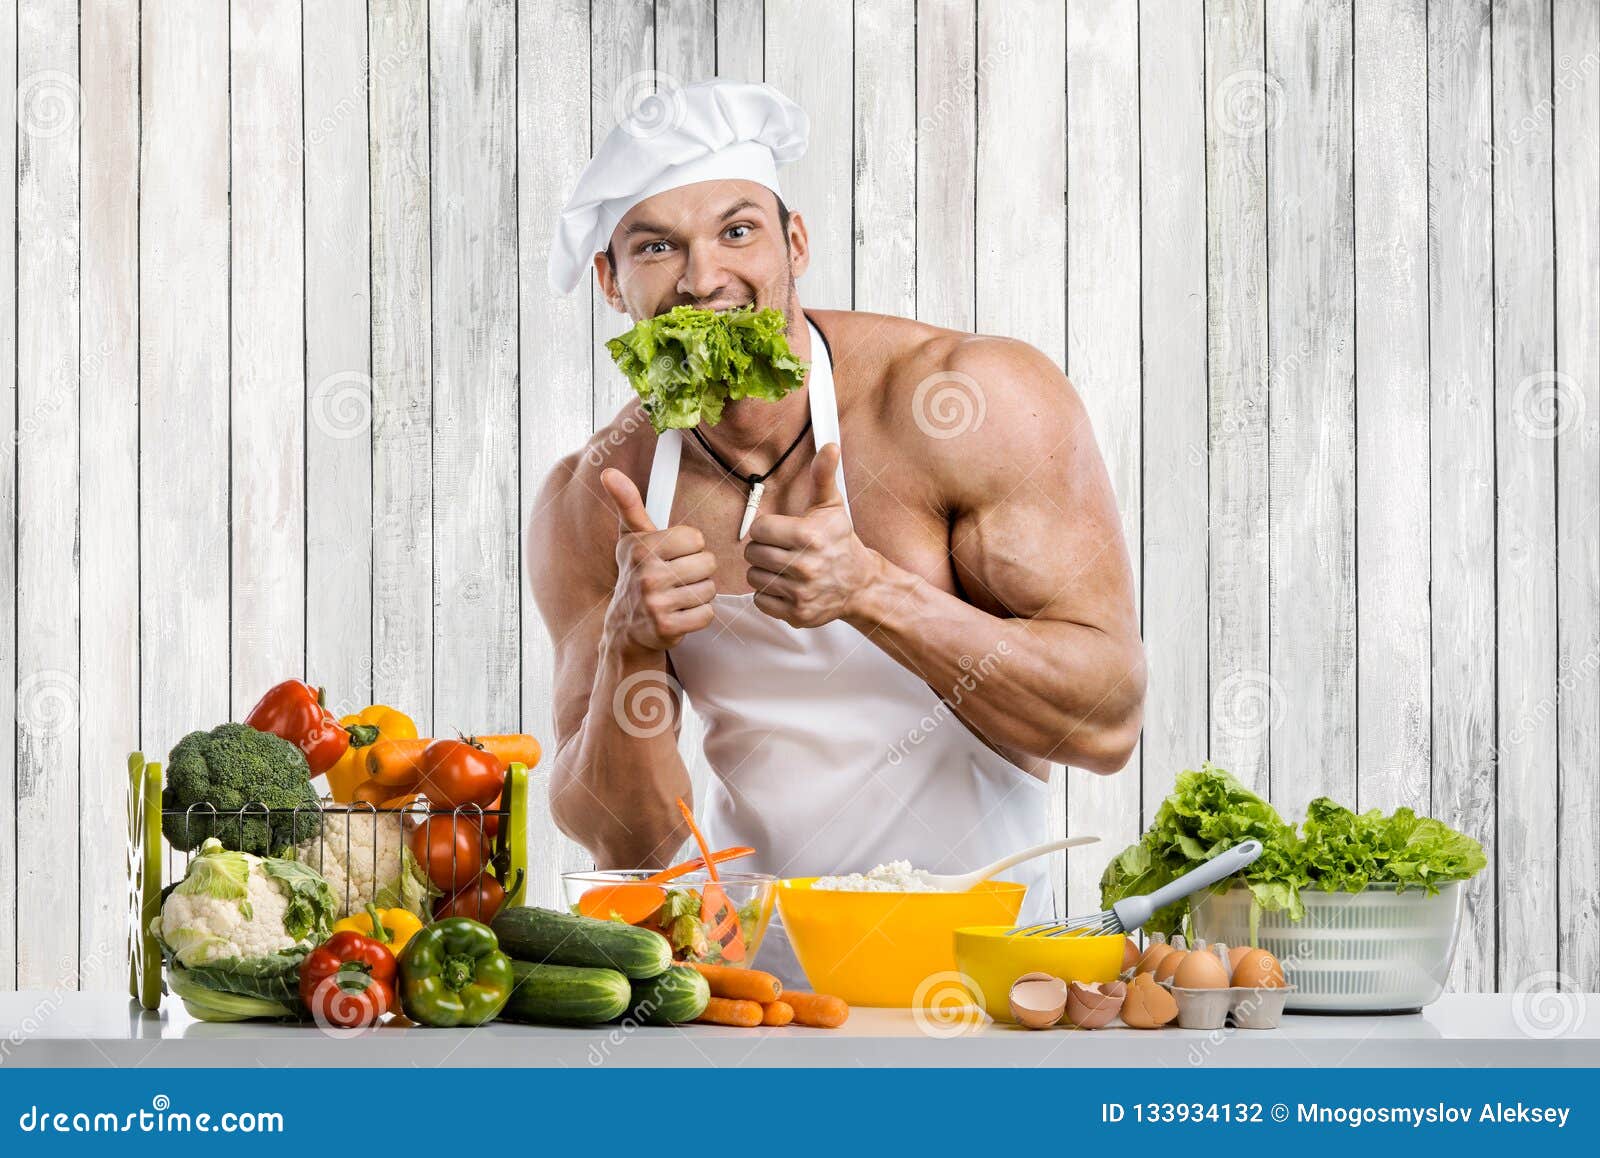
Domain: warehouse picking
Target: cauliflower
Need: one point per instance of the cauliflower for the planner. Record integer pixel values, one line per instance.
(240, 924)
(364, 857)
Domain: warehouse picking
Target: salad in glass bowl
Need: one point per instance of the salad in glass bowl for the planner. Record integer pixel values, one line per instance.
(720, 922)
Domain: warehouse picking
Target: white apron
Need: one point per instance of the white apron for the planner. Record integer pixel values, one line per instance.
(828, 756)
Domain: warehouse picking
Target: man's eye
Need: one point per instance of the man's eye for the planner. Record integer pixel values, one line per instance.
(737, 232)
(655, 248)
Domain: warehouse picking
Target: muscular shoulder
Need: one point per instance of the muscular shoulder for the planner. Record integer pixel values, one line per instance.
(982, 412)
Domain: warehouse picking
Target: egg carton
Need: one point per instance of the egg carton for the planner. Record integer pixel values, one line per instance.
(1211, 1008)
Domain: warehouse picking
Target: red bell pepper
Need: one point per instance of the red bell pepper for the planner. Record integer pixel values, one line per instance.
(294, 711)
(348, 981)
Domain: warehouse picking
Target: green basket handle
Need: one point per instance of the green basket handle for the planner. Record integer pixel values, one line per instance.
(517, 832)
(144, 872)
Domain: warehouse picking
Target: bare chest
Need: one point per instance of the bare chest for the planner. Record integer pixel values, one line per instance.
(885, 506)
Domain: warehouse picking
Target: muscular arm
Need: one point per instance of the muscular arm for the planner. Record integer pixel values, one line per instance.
(1043, 655)
(1039, 652)
(616, 771)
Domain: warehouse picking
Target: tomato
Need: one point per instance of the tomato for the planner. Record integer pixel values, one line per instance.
(480, 900)
(457, 773)
(491, 824)
(450, 850)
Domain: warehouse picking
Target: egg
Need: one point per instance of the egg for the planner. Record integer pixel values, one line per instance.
(1130, 953)
(1234, 954)
(1038, 1000)
(1152, 957)
(1201, 969)
(1258, 969)
(1094, 1005)
(1147, 1005)
(1169, 964)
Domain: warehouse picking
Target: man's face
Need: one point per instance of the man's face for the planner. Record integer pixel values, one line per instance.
(716, 245)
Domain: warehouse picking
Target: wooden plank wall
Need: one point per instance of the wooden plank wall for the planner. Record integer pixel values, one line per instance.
(283, 374)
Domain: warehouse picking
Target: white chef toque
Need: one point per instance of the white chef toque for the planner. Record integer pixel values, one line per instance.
(712, 131)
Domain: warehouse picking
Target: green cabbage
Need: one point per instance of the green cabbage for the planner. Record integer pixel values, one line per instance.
(687, 363)
(1334, 850)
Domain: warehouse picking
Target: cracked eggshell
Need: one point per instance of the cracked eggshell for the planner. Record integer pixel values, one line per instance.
(1038, 1000)
(1148, 1005)
(1095, 1005)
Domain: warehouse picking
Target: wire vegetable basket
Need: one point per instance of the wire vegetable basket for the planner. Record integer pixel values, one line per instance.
(363, 852)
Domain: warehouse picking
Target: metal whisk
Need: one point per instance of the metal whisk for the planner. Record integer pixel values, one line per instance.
(1130, 913)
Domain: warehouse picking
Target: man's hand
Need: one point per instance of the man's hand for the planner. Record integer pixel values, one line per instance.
(808, 570)
(665, 579)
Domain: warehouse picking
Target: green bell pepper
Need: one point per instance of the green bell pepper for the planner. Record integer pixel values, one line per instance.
(453, 973)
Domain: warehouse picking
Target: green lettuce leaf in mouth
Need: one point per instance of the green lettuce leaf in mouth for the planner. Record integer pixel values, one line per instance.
(688, 363)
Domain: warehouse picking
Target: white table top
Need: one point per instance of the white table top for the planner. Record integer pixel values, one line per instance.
(102, 1029)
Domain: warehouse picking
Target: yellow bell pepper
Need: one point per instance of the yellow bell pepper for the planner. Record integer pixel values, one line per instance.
(366, 728)
(398, 925)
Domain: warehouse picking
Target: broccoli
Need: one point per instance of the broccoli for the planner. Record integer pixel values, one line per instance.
(226, 769)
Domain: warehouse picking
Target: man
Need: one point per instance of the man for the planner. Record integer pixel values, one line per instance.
(909, 632)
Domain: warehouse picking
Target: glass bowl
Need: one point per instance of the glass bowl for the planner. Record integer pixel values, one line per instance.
(678, 917)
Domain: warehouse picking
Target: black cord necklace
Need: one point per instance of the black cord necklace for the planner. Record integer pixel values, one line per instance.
(756, 482)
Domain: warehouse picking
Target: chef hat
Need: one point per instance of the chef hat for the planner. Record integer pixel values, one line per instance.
(715, 130)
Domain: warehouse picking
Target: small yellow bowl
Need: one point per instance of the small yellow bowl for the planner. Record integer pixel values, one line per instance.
(878, 948)
(994, 961)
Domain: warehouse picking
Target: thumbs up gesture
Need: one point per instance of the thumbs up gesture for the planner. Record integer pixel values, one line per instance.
(809, 569)
(665, 579)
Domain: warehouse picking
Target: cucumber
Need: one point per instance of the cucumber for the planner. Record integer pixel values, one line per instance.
(566, 995)
(546, 937)
(678, 995)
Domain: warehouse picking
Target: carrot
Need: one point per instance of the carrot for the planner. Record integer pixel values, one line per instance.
(723, 1011)
(817, 1009)
(777, 1013)
(739, 984)
(717, 913)
(397, 763)
(371, 792)
(512, 749)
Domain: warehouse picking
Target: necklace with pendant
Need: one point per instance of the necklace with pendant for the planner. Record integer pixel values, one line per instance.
(756, 482)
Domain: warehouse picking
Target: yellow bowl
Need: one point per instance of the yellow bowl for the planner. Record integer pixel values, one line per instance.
(877, 948)
(994, 961)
